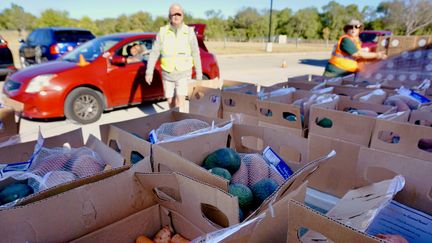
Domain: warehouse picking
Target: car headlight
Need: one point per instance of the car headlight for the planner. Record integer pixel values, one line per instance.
(39, 82)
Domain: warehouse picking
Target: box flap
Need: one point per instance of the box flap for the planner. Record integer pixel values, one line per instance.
(107, 154)
(338, 175)
(277, 113)
(374, 165)
(239, 102)
(403, 138)
(344, 125)
(166, 161)
(205, 101)
(205, 205)
(302, 217)
(420, 117)
(23, 151)
(14, 104)
(76, 212)
(8, 126)
(125, 142)
(252, 139)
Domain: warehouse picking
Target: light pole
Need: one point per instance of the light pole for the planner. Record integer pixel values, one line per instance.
(269, 46)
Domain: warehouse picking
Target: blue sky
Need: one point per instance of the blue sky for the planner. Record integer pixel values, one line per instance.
(98, 9)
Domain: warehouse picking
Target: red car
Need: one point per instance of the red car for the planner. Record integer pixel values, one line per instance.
(369, 38)
(82, 89)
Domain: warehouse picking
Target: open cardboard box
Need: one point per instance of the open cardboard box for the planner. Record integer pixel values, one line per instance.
(193, 208)
(273, 112)
(412, 140)
(373, 166)
(188, 206)
(206, 101)
(242, 138)
(239, 104)
(141, 127)
(23, 151)
(269, 226)
(344, 125)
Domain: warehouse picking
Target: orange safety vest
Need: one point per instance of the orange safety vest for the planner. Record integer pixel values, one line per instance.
(344, 60)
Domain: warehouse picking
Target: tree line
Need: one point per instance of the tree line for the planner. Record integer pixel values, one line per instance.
(402, 17)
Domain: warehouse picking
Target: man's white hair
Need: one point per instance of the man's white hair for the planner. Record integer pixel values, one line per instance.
(175, 5)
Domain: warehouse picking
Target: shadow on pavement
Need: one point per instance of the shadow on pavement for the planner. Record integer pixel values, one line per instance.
(314, 62)
(148, 108)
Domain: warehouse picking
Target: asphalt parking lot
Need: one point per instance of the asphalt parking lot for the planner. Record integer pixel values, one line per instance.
(263, 69)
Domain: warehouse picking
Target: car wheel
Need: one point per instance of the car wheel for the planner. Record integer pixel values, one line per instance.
(83, 105)
(38, 54)
(205, 77)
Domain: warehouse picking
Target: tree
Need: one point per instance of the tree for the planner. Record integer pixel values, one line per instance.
(216, 25)
(408, 16)
(106, 26)
(306, 23)
(122, 24)
(140, 21)
(51, 17)
(15, 18)
(87, 23)
(282, 19)
(159, 22)
(250, 21)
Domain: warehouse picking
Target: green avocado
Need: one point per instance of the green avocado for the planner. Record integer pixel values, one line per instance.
(224, 173)
(224, 158)
(243, 193)
(14, 191)
(263, 189)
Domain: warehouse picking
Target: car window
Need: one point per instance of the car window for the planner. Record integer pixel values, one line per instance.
(73, 36)
(92, 49)
(145, 47)
(368, 37)
(32, 37)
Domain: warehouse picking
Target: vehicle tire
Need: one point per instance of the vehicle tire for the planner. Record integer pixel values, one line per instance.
(23, 62)
(205, 77)
(38, 54)
(83, 105)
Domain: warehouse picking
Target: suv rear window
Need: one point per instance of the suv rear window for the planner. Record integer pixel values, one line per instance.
(368, 37)
(73, 36)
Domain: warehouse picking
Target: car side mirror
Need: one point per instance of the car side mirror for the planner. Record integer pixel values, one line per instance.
(21, 40)
(118, 60)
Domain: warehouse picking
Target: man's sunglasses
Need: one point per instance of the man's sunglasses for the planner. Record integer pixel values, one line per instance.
(176, 14)
(355, 26)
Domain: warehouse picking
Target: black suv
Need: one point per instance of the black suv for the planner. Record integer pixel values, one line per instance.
(44, 44)
(6, 59)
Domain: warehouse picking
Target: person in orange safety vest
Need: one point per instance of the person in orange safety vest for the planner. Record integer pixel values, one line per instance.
(348, 53)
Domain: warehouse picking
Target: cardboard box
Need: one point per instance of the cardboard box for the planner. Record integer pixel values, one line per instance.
(191, 208)
(23, 151)
(338, 176)
(372, 166)
(213, 84)
(270, 226)
(382, 43)
(8, 125)
(206, 101)
(157, 159)
(142, 127)
(423, 41)
(273, 112)
(408, 142)
(350, 127)
(243, 138)
(93, 206)
(302, 217)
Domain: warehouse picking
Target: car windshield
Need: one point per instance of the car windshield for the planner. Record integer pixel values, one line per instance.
(368, 37)
(92, 49)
